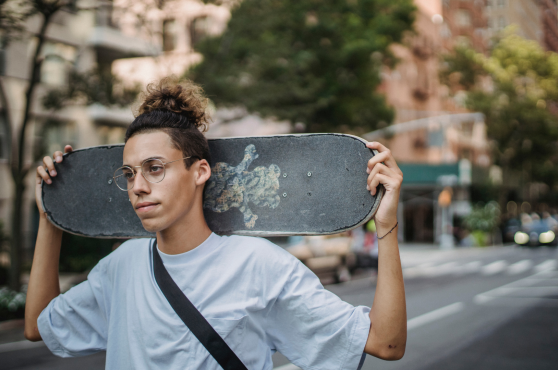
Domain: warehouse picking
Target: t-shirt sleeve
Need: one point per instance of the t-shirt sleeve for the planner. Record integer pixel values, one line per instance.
(75, 323)
(314, 328)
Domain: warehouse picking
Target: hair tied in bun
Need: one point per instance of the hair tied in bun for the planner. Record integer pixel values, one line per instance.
(178, 96)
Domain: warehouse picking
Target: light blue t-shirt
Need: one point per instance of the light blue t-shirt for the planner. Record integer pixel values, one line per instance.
(256, 295)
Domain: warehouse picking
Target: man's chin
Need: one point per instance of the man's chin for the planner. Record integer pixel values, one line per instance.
(151, 225)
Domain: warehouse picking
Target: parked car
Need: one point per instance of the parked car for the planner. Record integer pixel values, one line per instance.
(329, 257)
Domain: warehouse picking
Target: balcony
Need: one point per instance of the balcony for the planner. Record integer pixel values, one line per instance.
(110, 116)
(112, 44)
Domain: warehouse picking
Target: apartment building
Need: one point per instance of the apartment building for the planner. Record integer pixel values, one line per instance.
(81, 39)
(476, 22)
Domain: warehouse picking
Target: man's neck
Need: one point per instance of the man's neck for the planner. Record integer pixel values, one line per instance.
(183, 236)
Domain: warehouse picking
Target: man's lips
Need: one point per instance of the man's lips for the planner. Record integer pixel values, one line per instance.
(145, 206)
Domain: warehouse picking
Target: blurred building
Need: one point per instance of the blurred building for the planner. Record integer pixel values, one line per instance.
(435, 140)
(476, 22)
(184, 23)
(140, 42)
(435, 153)
(536, 19)
(465, 22)
(81, 39)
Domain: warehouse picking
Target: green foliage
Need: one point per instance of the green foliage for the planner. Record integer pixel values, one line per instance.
(515, 87)
(12, 304)
(13, 14)
(483, 218)
(80, 254)
(480, 237)
(306, 61)
(91, 87)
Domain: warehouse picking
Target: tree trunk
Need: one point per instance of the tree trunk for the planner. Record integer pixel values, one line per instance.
(17, 237)
(19, 169)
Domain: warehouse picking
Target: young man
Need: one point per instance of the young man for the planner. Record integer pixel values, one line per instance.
(258, 297)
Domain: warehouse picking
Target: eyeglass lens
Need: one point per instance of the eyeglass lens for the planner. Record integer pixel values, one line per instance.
(153, 170)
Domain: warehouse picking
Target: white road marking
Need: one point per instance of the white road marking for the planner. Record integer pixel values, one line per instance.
(492, 294)
(23, 344)
(440, 270)
(434, 315)
(546, 265)
(468, 268)
(494, 267)
(416, 271)
(520, 267)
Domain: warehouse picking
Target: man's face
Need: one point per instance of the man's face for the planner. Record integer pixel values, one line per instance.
(163, 204)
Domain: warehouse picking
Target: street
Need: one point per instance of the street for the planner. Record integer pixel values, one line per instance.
(492, 308)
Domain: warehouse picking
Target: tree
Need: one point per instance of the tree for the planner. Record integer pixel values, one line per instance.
(98, 86)
(306, 61)
(515, 87)
(17, 13)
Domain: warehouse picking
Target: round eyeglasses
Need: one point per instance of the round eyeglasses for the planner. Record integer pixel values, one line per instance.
(152, 169)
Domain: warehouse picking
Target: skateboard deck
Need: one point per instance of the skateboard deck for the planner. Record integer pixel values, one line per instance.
(261, 186)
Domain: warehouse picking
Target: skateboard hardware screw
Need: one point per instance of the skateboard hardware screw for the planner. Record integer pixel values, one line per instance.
(284, 175)
(110, 199)
(284, 195)
(110, 181)
(309, 174)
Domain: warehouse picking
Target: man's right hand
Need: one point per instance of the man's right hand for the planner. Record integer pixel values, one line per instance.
(45, 172)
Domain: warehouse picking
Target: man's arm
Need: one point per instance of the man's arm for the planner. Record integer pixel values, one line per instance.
(388, 316)
(43, 282)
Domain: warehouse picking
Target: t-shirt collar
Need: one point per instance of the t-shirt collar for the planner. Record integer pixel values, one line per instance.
(199, 252)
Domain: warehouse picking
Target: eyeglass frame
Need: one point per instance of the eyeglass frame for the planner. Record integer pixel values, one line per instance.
(133, 168)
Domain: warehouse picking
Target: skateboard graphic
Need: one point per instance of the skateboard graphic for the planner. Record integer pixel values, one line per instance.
(260, 186)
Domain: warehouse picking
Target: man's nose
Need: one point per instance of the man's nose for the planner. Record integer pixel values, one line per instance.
(141, 185)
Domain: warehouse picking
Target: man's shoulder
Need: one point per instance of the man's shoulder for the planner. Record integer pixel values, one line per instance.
(257, 248)
(129, 250)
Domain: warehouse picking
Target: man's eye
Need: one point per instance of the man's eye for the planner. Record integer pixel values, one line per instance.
(155, 168)
(128, 175)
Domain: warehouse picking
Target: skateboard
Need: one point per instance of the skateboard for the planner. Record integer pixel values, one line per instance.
(309, 184)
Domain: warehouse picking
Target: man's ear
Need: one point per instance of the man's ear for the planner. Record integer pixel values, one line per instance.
(203, 172)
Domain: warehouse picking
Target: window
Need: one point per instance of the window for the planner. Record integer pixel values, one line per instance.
(198, 29)
(502, 23)
(53, 135)
(169, 35)
(501, 3)
(57, 59)
(463, 18)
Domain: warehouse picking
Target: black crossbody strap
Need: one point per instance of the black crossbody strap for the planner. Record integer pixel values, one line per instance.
(193, 319)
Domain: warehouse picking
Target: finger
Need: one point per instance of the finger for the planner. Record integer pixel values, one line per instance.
(42, 174)
(380, 178)
(390, 161)
(49, 164)
(378, 158)
(57, 156)
(380, 169)
(372, 181)
(68, 149)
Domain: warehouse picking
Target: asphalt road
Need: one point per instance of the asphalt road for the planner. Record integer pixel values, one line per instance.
(490, 308)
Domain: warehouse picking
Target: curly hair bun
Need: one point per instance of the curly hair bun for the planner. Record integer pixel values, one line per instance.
(183, 97)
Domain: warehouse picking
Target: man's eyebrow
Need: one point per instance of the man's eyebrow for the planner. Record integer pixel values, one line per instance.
(143, 160)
